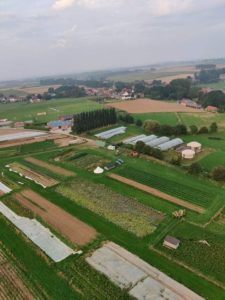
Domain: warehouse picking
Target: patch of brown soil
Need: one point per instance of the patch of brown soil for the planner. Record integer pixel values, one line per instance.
(75, 230)
(157, 193)
(150, 106)
(50, 167)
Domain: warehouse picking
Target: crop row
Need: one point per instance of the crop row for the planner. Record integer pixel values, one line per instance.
(169, 186)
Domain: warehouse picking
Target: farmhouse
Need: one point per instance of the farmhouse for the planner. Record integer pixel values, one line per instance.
(6, 124)
(189, 103)
(188, 154)
(63, 125)
(171, 242)
(66, 118)
(212, 108)
(195, 146)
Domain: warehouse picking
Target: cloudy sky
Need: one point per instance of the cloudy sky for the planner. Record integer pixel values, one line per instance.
(44, 37)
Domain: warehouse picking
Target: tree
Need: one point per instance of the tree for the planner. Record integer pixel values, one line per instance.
(203, 130)
(166, 130)
(195, 169)
(148, 150)
(218, 173)
(139, 147)
(151, 127)
(157, 153)
(174, 158)
(180, 129)
(213, 127)
(193, 129)
(139, 123)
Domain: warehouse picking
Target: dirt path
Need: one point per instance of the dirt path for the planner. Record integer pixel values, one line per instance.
(75, 230)
(50, 167)
(157, 193)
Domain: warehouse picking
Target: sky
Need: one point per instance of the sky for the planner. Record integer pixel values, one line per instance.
(48, 37)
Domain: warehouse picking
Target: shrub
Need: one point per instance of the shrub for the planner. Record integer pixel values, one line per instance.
(139, 123)
(218, 173)
(195, 169)
(203, 130)
(151, 127)
(193, 129)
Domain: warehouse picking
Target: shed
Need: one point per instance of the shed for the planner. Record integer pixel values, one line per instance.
(188, 153)
(195, 146)
(171, 242)
(211, 108)
(98, 170)
(111, 147)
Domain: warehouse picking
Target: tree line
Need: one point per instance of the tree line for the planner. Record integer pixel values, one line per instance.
(86, 121)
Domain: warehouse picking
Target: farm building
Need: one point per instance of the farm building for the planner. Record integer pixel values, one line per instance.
(63, 125)
(98, 170)
(195, 146)
(188, 154)
(171, 242)
(212, 108)
(158, 141)
(170, 144)
(112, 132)
(6, 124)
(19, 124)
(190, 103)
(111, 147)
(66, 118)
(134, 139)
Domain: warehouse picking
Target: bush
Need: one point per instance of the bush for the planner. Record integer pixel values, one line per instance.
(139, 147)
(139, 123)
(213, 127)
(193, 129)
(195, 169)
(151, 127)
(203, 130)
(218, 173)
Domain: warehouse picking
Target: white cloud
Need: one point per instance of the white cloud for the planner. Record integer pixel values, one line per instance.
(169, 7)
(62, 4)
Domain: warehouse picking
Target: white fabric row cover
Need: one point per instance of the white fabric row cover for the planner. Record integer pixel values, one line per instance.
(4, 188)
(21, 135)
(158, 141)
(171, 144)
(39, 235)
(112, 132)
(134, 139)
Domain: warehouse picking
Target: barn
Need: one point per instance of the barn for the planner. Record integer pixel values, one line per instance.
(171, 242)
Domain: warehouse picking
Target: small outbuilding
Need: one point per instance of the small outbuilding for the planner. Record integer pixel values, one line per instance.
(195, 146)
(171, 242)
(111, 147)
(98, 170)
(188, 154)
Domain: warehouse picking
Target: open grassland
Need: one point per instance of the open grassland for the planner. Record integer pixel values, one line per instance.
(142, 106)
(213, 160)
(207, 140)
(200, 249)
(53, 109)
(162, 118)
(202, 119)
(161, 74)
(123, 211)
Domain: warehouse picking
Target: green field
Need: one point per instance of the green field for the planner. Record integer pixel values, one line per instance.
(206, 258)
(119, 213)
(213, 160)
(202, 119)
(217, 86)
(53, 109)
(162, 118)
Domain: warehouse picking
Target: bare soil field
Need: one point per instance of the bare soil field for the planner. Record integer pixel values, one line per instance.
(157, 193)
(168, 79)
(43, 180)
(75, 230)
(38, 89)
(11, 284)
(50, 167)
(150, 106)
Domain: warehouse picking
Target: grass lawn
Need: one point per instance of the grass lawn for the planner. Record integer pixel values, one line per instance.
(213, 160)
(162, 118)
(53, 109)
(217, 86)
(202, 119)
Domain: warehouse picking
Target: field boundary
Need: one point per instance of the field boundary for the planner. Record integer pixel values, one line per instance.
(157, 193)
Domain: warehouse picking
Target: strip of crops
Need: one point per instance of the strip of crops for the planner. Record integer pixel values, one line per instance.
(182, 191)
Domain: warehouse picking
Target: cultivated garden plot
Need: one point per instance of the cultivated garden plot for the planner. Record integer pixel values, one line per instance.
(89, 161)
(126, 212)
(50, 167)
(70, 227)
(141, 279)
(43, 180)
(200, 195)
(157, 193)
(12, 283)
